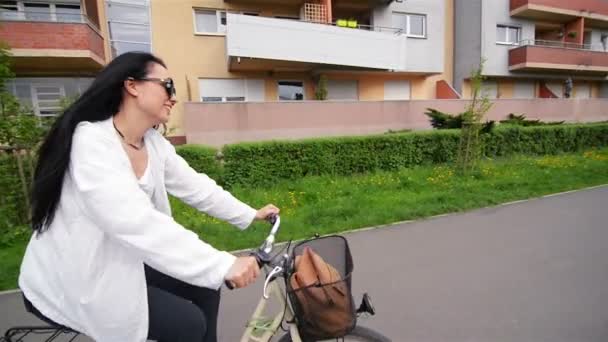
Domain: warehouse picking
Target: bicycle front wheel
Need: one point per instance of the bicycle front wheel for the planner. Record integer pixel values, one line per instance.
(359, 334)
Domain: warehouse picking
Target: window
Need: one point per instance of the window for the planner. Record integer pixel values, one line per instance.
(47, 99)
(507, 34)
(231, 90)
(68, 13)
(211, 99)
(9, 10)
(413, 25)
(127, 14)
(129, 24)
(43, 94)
(210, 21)
(291, 90)
(37, 12)
(342, 90)
(489, 89)
(397, 90)
(129, 32)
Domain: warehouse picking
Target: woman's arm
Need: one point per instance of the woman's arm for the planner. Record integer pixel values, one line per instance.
(113, 200)
(202, 193)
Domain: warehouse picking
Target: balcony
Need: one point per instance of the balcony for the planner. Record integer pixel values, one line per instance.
(42, 43)
(557, 56)
(595, 12)
(258, 43)
(335, 4)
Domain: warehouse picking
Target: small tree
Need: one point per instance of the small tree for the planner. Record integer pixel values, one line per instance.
(470, 147)
(20, 133)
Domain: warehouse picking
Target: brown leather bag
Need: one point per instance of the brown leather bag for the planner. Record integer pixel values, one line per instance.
(323, 298)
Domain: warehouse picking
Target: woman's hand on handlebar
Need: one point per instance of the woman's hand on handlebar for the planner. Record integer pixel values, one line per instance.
(266, 212)
(243, 272)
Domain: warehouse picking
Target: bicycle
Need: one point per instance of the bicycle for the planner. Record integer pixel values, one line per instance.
(259, 328)
(262, 329)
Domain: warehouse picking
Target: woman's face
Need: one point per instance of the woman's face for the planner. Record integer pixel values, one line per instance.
(153, 98)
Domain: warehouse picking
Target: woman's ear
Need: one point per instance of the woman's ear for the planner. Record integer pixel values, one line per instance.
(130, 87)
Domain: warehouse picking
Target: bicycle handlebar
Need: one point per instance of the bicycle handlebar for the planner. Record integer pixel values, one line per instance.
(262, 254)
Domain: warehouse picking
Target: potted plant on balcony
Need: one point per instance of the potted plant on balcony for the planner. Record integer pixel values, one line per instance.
(572, 34)
(321, 91)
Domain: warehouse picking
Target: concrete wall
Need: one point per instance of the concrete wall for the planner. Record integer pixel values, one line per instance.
(467, 40)
(218, 124)
(423, 54)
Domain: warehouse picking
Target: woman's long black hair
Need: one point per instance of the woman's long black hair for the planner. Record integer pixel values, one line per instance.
(101, 101)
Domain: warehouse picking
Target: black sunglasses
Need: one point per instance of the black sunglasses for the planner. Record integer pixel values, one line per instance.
(167, 83)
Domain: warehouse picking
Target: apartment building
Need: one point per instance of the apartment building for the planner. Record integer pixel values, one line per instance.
(57, 47)
(533, 48)
(278, 50)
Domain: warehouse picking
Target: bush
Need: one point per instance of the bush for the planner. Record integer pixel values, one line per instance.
(520, 120)
(13, 208)
(202, 159)
(441, 120)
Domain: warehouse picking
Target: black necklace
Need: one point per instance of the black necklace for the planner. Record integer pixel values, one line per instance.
(123, 138)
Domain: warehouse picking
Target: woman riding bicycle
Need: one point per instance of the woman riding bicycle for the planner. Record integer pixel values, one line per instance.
(107, 259)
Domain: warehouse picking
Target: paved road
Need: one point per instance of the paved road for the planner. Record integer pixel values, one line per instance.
(530, 271)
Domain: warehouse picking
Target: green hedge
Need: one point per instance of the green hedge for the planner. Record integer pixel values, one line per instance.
(255, 164)
(539, 140)
(266, 162)
(202, 159)
(263, 163)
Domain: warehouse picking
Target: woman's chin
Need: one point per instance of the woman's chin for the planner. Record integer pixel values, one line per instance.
(164, 118)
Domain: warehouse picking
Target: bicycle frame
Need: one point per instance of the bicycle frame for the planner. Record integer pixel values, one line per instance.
(267, 327)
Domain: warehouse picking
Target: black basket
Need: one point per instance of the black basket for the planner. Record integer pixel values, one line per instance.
(325, 310)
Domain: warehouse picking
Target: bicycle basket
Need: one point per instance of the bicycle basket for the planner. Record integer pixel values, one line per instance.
(320, 288)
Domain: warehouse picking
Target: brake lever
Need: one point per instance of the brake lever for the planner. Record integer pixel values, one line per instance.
(271, 276)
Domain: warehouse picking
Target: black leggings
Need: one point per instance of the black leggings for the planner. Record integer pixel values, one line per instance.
(180, 312)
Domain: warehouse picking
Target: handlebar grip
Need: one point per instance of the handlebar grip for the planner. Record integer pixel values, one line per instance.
(259, 258)
(272, 218)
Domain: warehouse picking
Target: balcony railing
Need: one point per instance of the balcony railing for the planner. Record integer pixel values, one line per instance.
(318, 43)
(562, 45)
(543, 55)
(46, 16)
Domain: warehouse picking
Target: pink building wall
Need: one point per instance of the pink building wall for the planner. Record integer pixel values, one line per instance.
(226, 123)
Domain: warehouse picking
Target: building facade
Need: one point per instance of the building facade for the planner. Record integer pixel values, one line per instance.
(57, 48)
(532, 48)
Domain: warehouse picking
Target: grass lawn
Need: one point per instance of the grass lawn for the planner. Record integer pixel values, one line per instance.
(328, 204)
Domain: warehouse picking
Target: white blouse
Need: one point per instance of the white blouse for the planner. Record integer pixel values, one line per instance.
(145, 183)
(87, 270)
